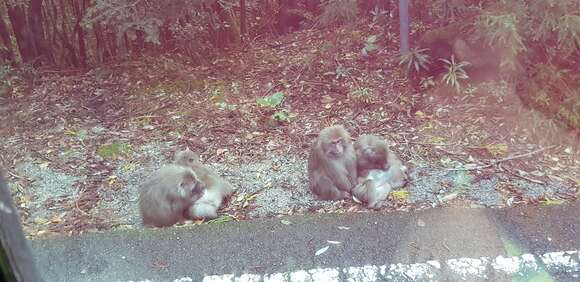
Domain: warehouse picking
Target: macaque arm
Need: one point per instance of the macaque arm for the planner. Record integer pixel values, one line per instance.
(324, 187)
(338, 176)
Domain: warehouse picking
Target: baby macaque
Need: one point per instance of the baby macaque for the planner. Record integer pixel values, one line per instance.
(332, 164)
(372, 152)
(165, 196)
(217, 188)
(373, 188)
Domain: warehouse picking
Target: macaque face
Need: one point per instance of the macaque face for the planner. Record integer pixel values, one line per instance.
(186, 158)
(335, 147)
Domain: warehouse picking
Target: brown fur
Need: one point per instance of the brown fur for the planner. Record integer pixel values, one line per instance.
(166, 194)
(332, 164)
(372, 152)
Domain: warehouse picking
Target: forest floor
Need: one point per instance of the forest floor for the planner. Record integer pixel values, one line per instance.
(76, 145)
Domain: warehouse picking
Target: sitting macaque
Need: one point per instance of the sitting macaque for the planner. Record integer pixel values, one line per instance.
(372, 152)
(217, 188)
(167, 194)
(332, 164)
(373, 188)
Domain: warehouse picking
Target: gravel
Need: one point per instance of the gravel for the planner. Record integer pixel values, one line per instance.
(46, 184)
(280, 184)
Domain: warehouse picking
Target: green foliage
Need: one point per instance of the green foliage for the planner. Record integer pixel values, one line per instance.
(427, 82)
(341, 72)
(379, 14)
(112, 151)
(500, 31)
(281, 116)
(462, 182)
(127, 16)
(455, 73)
(569, 110)
(415, 60)
(338, 11)
(361, 94)
(370, 44)
(273, 100)
(568, 30)
(221, 219)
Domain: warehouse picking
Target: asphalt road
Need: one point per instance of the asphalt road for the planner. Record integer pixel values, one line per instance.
(443, 244)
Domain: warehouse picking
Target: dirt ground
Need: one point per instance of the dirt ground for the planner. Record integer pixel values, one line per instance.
(77, 145)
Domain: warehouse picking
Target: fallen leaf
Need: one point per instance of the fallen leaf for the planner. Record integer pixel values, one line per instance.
(552, 202)
(352, 209)
(400, 194)
(112, 179)
(321, 251)
(40, 220)
(420, 223)
(449, 197)
(497, 149)
(285, 222)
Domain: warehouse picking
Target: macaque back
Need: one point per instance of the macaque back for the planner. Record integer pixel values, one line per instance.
(372, 152)
(165, 195)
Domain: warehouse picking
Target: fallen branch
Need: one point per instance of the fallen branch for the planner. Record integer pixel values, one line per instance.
(495, 162)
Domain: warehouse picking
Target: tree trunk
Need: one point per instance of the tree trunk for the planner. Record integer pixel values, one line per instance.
(79, 13)
(404, 25)
(242, 19)
(37, 30)
(24, 38)
(64, 37)
(7, 53)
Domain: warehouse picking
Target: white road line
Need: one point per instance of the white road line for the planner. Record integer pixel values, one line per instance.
(567, 262)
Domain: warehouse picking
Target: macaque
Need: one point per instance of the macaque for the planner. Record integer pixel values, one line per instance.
(165, 196)
(332, 164)
(373, 188)
(372, 152)
(216, 190)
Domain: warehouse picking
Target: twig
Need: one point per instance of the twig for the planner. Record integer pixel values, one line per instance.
(524, 177)
(42, 156)
(272, 88)
(15, 175)
(445, 246)
(527, 178)
(495, 162)
(432, 144)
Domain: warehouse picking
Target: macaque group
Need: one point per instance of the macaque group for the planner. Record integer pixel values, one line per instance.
(367, 169)
(183, 190)
(337, 169)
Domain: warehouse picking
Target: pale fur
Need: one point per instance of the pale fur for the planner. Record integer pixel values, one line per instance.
(217, 188)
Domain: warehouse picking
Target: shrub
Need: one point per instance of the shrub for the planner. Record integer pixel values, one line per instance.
(338, 11)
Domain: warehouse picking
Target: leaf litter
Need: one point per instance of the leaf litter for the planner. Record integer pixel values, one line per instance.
(81, 146)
